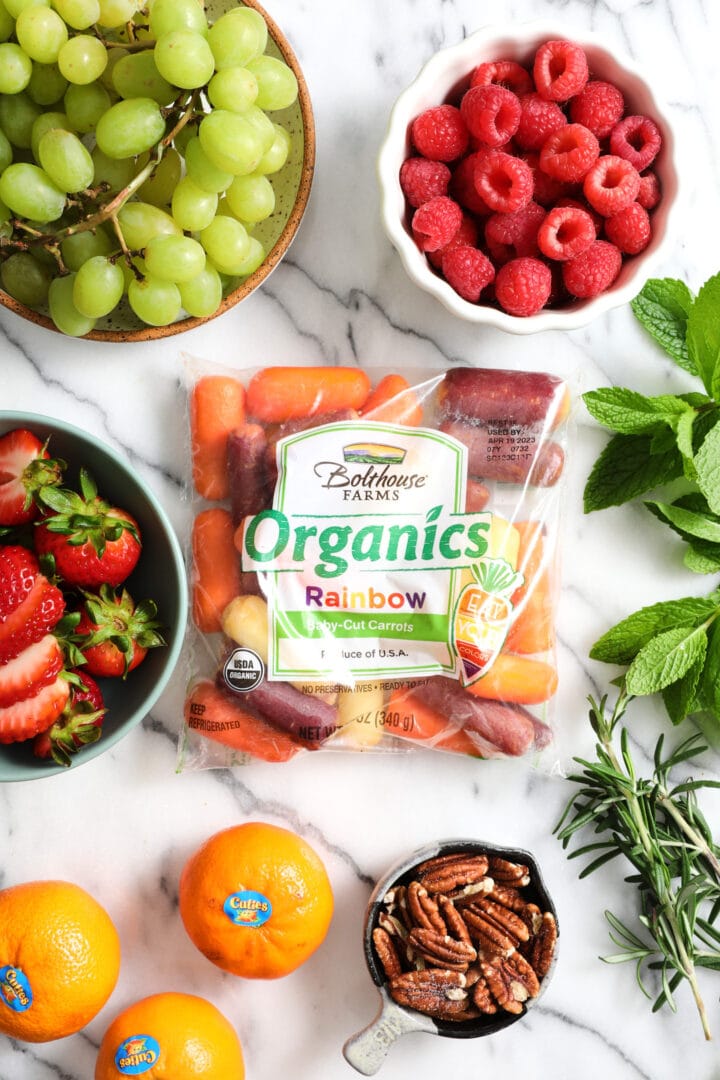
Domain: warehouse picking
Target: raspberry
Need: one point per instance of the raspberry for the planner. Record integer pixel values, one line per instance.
(637, 139)
(594, 271)
(467, 271)
(422, 179)
(611, 185)
(597, 219)
(629, 230)
(560, 70)
(649, 192)
(569, 153)
(503, 181)
(440, 134)
(462, 186)
(435, 223)
(466, 235)
(565, 233)
(598, 107)
(491, 114)
(509, 236)
(522, 286)
(538, 120)
(502, 73)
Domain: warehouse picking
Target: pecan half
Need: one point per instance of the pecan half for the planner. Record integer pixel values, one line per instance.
(392, 925)
(511, 981)
(456, 925)
(387, 953)
(441, 950)
(441, 994)
(482, 998)
(423, 909)
(444, 878)
(508, 873)
(491, 939)
(543, 946)
(507, 920)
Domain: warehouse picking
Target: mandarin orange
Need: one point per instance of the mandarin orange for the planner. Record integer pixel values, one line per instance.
(256, 900)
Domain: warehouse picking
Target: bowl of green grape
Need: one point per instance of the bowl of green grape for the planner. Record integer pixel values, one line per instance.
(156, 160)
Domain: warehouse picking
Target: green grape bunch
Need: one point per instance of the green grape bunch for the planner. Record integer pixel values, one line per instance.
(136, 146)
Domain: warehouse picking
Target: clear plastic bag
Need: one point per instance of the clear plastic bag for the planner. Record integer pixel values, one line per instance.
(374, 561)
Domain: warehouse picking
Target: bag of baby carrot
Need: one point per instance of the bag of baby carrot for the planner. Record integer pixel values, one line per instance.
(373, 561)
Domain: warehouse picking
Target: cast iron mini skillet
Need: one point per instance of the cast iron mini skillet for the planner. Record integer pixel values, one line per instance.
(366, 1050)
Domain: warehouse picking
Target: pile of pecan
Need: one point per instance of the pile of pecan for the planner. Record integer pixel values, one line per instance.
(462, 940)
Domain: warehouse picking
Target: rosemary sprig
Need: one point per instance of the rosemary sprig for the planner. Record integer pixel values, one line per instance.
(659, 827)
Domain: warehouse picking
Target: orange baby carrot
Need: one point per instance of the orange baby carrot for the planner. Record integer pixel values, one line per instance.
(518, 680)
(407, 717)
(217, 407)
(276, 394)
(393, 402)
(215, 568)
(533, 627)
(213, 713)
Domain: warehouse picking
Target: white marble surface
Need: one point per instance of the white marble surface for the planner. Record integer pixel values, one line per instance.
(123, 825)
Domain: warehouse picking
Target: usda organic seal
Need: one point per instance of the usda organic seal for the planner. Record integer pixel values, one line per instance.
(243, 670)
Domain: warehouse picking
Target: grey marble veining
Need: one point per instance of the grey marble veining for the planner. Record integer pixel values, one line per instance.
(123, 825)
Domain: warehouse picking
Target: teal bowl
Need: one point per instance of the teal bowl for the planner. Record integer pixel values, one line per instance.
(160, 574)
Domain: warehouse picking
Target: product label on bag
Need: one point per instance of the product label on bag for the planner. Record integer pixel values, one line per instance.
(365, 552)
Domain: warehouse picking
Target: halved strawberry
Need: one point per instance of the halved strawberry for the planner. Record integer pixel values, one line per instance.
(25, 467)
(31, 620)
(30, 670)
(78, 725)
(18, 570)
(26, 718)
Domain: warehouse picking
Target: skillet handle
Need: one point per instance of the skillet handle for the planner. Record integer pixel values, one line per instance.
(366, 1051)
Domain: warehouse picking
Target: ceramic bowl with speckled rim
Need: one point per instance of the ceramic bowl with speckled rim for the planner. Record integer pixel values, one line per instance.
(291, 184)
(443, 79)
(160, 575)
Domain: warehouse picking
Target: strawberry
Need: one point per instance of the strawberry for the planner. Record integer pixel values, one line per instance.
(114, 633)
(92, 542)
(18, 570)
(25, 468)
(79, 724)
(33, 668)
(26, 718)
(32, 619)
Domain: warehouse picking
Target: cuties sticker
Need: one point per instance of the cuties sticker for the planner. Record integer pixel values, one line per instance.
(247, 908)
(137, 1055)
(15, 989)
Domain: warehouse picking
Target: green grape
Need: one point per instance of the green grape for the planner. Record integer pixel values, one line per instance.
(47, 85)
(136, 75)
(277, 84)
(98, 287)
(15, 68)
(66, 161)
(41, 33)
(201, 169)
(262, 124)
(26, 279)
(274, 158)
(184, 58)
(202, 295)
(6, 151)
(159, 189)
(115, 55)
(7, 23)
(141, 221)
(233, 88)
(169, 15)
(85, 105)
(5, 215)
(174, 258)
(77, 248)
(82, 59)
(80, 14)
(155, 302)
(226, 243)
(116, 174)
(44, 123)
(251, 198)
(192, 208)
(17, 116)
(254, 258)
(116, 12)
(130, 127)
(63, 312)
(30, 192)
(14, 7)
(231, 141)
(237, 37)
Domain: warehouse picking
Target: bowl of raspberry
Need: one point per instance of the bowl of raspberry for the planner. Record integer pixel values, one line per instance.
(93, 597)
(528, 178)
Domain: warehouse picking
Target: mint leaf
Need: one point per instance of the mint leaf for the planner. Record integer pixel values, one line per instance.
(711, 671)
(624, 641)
(679, 697)
(707, 466)
(702, 558)
(703, 335)
(686, 522)
(665, 659)
(662, 307)
(631, 413)
(627, 468)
